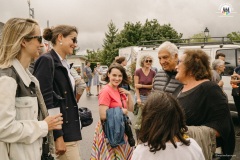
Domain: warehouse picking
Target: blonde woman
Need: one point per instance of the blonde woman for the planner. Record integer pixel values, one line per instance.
(23, 117)
(143, 79)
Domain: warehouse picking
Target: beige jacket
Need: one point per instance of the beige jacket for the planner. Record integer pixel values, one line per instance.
(20, 131)
(206, 139)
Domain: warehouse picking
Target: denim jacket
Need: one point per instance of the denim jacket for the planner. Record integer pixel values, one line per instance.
(114, 127)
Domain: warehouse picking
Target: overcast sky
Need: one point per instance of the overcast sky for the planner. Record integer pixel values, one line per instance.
(91, 17)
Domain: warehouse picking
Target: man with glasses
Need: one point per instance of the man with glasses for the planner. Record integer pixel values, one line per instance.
(165, 78)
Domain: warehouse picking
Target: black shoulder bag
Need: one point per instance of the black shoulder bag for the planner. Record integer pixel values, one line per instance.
(85, 116)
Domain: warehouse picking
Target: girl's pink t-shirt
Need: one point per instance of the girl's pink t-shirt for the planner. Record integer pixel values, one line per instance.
(111, 97)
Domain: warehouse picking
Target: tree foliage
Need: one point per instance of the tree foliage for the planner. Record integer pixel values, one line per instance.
(135, 34)
(94, 56)
(110, 51)
(200, 37)
(234, 36)
(132, 35)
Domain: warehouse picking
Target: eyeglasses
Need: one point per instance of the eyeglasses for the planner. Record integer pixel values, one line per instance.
(98, 64)
(74, 40)
(148, 61)
(39, 38)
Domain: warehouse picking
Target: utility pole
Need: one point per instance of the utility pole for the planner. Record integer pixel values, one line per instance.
(31, 10)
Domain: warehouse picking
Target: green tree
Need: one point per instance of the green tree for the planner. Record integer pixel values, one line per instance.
(129, 36)
(133, 35)
(234, 36)
(94, 56)
(110, 51)
(200, 37)
(166, 31)
(151, 31)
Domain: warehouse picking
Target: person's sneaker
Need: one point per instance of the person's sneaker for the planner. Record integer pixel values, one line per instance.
(90, 94)
(238, 135)
(97, 94)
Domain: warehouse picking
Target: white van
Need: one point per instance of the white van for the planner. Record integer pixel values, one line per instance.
(230, 49)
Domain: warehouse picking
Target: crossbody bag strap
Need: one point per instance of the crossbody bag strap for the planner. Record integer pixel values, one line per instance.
(52, 67)
(121, 99)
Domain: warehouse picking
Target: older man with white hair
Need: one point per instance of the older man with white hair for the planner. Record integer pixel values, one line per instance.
(165, 78)
(218, 67)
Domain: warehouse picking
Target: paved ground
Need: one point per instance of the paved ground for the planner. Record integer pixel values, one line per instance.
(88, 132)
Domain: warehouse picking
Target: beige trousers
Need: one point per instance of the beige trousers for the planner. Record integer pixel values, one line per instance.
(72, 152)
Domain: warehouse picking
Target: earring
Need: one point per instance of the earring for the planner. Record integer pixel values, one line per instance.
(60, 43)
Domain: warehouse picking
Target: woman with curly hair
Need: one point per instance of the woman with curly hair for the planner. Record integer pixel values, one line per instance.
(205, 105)
(162, 134)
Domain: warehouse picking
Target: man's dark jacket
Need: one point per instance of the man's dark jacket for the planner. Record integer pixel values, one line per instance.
(57, 91)
(165, 81)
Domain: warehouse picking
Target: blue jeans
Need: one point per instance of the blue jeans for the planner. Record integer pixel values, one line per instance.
(89, 83)
(143, 98)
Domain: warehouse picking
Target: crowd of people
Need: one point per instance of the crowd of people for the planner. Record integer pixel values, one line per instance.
(182, 110)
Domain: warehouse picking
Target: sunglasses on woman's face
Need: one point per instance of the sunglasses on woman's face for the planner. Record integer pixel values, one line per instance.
(148, 61)
(74, 40)
(39, 38)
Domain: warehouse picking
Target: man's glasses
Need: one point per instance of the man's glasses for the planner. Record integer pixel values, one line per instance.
(98, 64)
(148, 61)
(39, 38)
(74, 40)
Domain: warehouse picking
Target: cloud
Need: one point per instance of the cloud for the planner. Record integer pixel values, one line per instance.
(91, 17)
